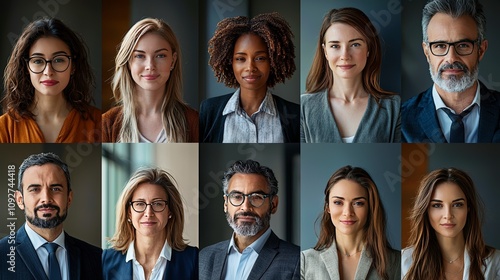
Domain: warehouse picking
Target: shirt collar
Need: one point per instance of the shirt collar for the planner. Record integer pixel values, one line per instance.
(233, 105)
(439, 104)
(166, 252)
(257, 245)
(38, 240)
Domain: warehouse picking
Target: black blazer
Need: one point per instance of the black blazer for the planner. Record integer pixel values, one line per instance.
(83, 258)
(182, 265)
(419, 122)
(212, 120)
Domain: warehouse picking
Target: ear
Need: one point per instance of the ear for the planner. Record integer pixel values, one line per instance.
(19, 200)
(274, 204)
(367, 54)
(174, 57)
(70, 197)
(482, 48)
(225, 203)
(426, 50)
(324, 50)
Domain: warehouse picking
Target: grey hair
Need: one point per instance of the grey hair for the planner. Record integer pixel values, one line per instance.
(41, 159)
(455, 9)
(250, 167)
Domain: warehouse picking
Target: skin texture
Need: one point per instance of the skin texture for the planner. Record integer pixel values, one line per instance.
(448, 210)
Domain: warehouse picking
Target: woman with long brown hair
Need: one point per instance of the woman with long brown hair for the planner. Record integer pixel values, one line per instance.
(352, 242)
(344, 101)
(446, 241)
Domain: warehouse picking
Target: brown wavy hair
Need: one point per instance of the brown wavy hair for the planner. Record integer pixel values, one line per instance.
(125, 231)
(272, 28)
(20, 93)
(377, 244)
(427, 258)
(320, 75)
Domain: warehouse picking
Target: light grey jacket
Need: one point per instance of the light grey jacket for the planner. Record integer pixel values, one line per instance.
(324, 265)
(379, 124)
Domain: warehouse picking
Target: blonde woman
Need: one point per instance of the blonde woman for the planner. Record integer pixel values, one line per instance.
(148, 241)
(147, 84)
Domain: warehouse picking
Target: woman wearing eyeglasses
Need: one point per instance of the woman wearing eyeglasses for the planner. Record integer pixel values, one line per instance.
(48, 88)
(148, 242)
(352, 243)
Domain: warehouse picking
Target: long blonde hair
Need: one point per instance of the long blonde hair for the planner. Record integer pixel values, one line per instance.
(173, 107)
(125, 231)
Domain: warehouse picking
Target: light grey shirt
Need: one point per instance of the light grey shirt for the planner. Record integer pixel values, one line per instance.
(263, 126)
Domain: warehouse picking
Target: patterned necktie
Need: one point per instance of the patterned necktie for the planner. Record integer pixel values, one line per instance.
(54, 269)
(457, 134)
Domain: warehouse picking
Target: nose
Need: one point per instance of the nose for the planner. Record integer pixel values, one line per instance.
(46, 196)
(250, 66)
(344, 54)
(149, 210)
(452, 55)
(348, 210)
(150, 64)
(246, 205)
(447, 213)
(48, 69)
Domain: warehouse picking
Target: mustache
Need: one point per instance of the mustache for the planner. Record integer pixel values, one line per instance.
(454, 66)
(51, 206)
(246, 214)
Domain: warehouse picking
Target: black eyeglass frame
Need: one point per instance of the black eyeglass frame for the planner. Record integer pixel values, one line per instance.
(454, 44)
(131, 203)
(47, 63)
(264, 195)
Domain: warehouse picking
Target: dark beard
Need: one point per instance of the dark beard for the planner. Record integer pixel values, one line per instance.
(47, 223)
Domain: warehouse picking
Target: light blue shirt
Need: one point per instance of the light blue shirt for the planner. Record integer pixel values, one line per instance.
(471, 121)
(158, 269)
(239, 264)
(263, 126)
(43, 255)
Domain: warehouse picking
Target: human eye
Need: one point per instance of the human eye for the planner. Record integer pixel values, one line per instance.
(356, 45)
(358, 203)
(458, 204)
(239, 59)
(56, 189)
(139, 204)
(439, 46)
(236, 196)
(257, 197)
(34, 189)
(158, 203)
(463, 45)
(338, 202)
(37, 60)
(261, 58)
(436, 205)
(139, 56)
(161, 55)
(334, 46)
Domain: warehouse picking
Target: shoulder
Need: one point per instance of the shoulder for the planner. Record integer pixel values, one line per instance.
(414, 102)
(191, 113)
(288, 247)
(189, 251)
(391, 100)
(216, 101)
(112, 255)
(394, 256)
(316, 97)
(217, 247)
(112, 113)
(84, 247)
(311, 254)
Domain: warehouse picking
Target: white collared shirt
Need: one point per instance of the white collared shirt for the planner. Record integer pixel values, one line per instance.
(161, 138)
(158, 269)
(263, 126)
(239, 264)
(471, 121)
(43, 255)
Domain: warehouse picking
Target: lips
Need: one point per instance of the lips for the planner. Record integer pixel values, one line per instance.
(251, 78)
(148, 223)
(448, 225)
(346, 67)
(49, 83)
(150, 77)
(348, 222)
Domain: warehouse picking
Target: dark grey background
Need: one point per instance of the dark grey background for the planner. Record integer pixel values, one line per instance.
(320, 161)
(385, 16)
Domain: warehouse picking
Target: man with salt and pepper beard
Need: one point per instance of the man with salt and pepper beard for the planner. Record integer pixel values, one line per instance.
(254, 251)
(458, 108)
(43, 250)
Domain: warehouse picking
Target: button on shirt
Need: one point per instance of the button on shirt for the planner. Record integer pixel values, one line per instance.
(43, 255)
(471, 121)
(239, 264)
(158, 269)
(263, 126)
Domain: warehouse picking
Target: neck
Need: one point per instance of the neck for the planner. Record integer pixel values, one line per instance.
(348, 89)
(451, 248)
(242, 242)
(49, 234)
(250, 100)
(148, 247)
(50, 106)
(149, 102)
(458, 101)
(349, 244)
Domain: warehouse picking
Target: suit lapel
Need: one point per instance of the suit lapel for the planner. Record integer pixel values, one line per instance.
(73, 257)
(364, 264)
(489, 116)
(331, 261)
(428, 119)
(29, 256)
(219, 261)
(266, 256)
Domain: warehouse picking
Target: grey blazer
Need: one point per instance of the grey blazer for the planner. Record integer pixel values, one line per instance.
(379, 124)
(324, 264)
(277, 260)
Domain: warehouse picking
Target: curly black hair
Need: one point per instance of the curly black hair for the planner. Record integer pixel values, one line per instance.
(271, 27)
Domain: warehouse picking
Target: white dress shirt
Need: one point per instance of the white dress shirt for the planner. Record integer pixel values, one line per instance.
(43, 255)
(239, 264)
(158, 269)
(471, 121)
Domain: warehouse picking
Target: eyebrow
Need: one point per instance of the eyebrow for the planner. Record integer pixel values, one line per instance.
(352, 40)
(51, 185)
(257, 52)
(356, 198)
(159, 50)
(53, 54)
(458, 199)
(143, 199)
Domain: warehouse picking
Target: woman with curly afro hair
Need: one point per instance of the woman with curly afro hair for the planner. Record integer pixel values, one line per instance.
(251, 55)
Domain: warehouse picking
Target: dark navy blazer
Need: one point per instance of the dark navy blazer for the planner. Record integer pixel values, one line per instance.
(419, 122)
(182, 265)
(83, 259)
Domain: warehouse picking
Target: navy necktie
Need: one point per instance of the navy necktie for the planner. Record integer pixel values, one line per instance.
(457, 134)
(54, 269)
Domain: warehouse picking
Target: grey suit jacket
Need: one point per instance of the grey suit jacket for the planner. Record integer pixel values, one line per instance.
(324, 264)
(379, 124)
(278, 259)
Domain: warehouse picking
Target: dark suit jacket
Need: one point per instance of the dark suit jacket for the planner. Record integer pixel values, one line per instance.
(420, 123)
(212, 120)
(277, 260)
(182, 265)
(83, 259)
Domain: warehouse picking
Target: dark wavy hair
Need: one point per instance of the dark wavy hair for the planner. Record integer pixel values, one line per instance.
(20, 93)
(271, 27)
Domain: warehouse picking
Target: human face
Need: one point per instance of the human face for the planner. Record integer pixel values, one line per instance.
(50, 82)
(151, 63)
(448, 210)
(348, 207)
(150, 223)
(45, 199)
(251, 65)
(247, 220)
(453, 72)
(346, 51)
